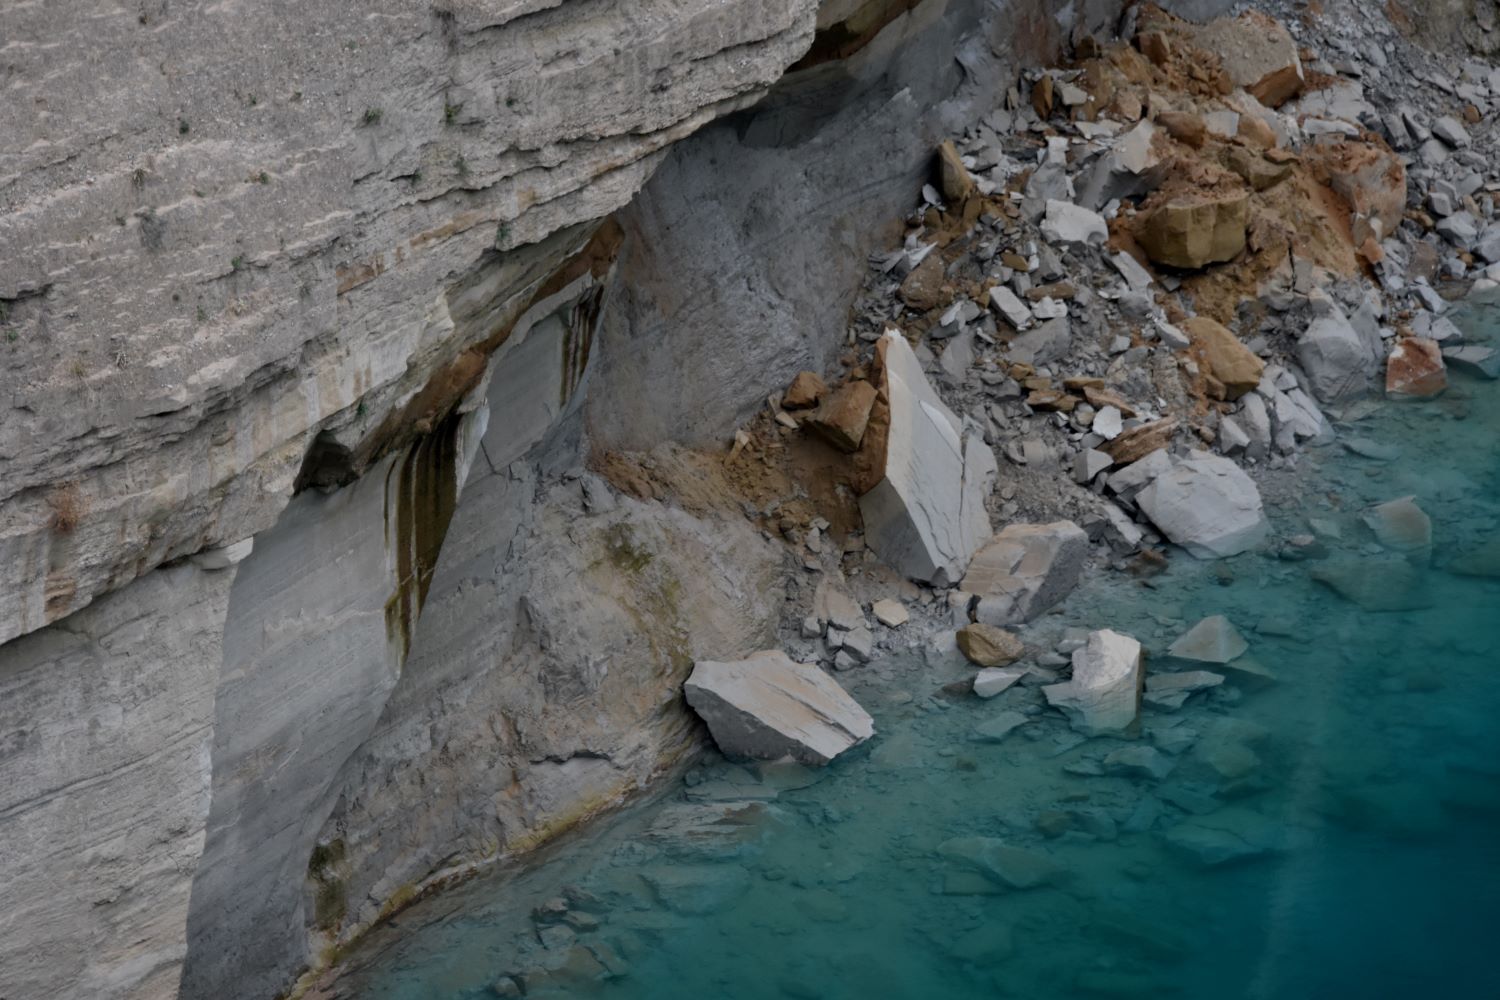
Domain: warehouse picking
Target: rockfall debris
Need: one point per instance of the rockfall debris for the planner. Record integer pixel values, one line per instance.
(1128, 302)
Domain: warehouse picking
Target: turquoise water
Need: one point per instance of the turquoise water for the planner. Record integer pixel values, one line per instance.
(1358, 795)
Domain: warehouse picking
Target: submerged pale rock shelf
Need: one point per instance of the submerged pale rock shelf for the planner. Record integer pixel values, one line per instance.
(367, 499)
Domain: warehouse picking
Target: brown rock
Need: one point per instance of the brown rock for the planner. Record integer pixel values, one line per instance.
(1100, 397)
(1259, 172)
(1230, 362)
(1256, 131)
(1196, 229)
(957, 184)
(1154, 46)
(1052, 399)
(1042, 97)
(1056, 290)
(1257, 53)
(1126, 106)
(1138, 442)
(1415, 369)
(988, 646)
(1185, 127)
(804, 392)
(1015, 261)
(923, 288)
(842, 418)
(1373, 181)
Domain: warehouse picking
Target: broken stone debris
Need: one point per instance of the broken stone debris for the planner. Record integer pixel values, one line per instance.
(1025, 570)
(1208, 505)
(767, 707)
(925, 516)
(1103, 697)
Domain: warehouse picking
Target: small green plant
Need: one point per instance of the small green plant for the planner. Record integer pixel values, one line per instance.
(510, 102)
(252, 100)
(202, 315)
(263, 177)
(11, 335)
(415, 178)
(462, 166)
(502, 235)
(138, 177)
(373, 116)
(183, 128)
(359, 411)
(450, 112)
(236, 263)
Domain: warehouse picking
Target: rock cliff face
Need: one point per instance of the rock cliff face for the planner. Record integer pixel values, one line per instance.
(364, 285)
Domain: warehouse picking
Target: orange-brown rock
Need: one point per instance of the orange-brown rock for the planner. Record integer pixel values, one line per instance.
(805, 392)
(957, 184)
(923, 287)
(1100, 397)
(1259, 172)
(1138, 442)
(1415, 369)
(1372, 180)
(1233, 367)
(1257, 53)
(1196, 228)
(1184, 126)
(1052, 399)
(1155, 46)
(844, 415)
(1042, 97)
(1256, 131)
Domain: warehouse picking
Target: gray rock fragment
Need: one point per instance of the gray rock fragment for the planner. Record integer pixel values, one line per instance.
(767, 707)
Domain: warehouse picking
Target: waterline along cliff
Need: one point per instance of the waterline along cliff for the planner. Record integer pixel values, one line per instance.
(491, 489)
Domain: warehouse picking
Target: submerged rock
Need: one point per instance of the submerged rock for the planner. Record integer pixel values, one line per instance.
(1171, 691)
(995, 730)
(767, 707)
(1229, 835)
(1025, 570)
(993, 681)
(1009, 866)
(1212, 640)
(1104, 694)
(1382, 584)
(1400, 525)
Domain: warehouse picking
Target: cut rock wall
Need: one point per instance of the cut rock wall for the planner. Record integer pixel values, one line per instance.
(266, 254)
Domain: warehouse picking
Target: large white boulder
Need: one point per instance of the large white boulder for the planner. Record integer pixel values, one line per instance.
(925, 515)
(1208, 505)
(1104, 695)
(768, 706)
(1025, 570)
